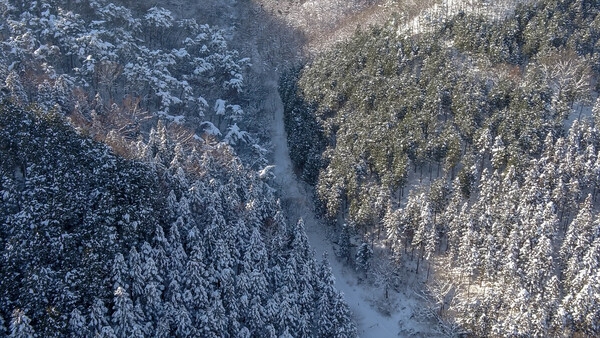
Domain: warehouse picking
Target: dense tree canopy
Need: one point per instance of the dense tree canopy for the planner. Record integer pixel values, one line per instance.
(489, 125)
(166, 228)
(92, 243)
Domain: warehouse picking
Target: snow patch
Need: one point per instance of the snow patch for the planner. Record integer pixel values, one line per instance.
(220, 107)
(210, 129)
(235, 134)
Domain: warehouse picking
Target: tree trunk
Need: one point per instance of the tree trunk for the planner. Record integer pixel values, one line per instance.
(469, 289)
(418, 261)
(430, 172)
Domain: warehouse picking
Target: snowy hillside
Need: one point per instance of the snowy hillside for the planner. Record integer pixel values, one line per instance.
(171, 230)
(451, 148)
(301, 168)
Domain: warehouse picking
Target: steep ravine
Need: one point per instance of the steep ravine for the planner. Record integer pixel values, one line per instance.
(296, 198)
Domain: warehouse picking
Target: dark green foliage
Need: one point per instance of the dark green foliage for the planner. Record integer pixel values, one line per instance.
(387, 103)
(477, 116)
(95, 244)
(68, 206)
(518, 238)
(533, 28)
(363, 257)
(305, 136)
(60, 210)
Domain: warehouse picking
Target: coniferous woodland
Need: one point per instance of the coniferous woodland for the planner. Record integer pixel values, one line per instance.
(460, 139)
(468, 146)
(133, 200)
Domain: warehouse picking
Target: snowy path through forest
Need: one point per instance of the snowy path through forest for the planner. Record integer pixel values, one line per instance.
(297, 201)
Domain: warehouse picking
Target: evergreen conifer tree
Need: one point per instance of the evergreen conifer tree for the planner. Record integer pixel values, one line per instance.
(20, 325)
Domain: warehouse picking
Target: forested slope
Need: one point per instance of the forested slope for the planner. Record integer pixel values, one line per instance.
(135, 197)
(93, 244)
(458, 142)
(95, 59)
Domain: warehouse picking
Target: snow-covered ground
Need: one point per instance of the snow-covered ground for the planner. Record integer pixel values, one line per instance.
(580, 112)
(297, 200)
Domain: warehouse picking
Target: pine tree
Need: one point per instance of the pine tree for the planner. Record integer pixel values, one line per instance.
(159, 246)
(363, 257)
(256, 316)
(581, 300)
(153, 285)
(344, 327)
(550, 310)
(136, 275)
(344, 243)
(255, 257)
(394, 224)
(300, 245)
(456, 225)
(272, 311)
(97, 318)
(125, 319)
(217, 320)
(175, 250)
(20, 325)
(77, 324)
(196, 282)
(120, 272)
(183, 322)
(2, 328)
(579, 236)
(288, 315)
(469, 255)
(332, 314)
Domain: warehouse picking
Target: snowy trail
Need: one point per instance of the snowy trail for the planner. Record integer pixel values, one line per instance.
(296, 198)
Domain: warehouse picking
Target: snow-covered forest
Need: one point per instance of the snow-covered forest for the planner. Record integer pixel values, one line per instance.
(136, 199)
(97, 245)
(441, 167)
(466, 150)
